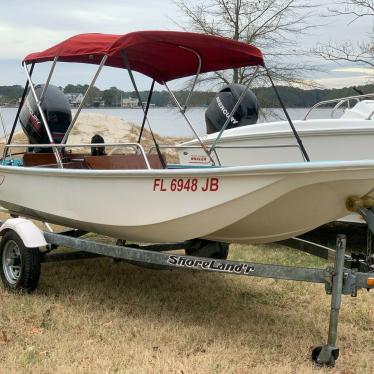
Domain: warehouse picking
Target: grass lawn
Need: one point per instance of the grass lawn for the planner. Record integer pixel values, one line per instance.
(97, 316)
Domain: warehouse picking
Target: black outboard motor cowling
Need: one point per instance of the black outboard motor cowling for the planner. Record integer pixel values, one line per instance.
(220, 108)
(57, 112)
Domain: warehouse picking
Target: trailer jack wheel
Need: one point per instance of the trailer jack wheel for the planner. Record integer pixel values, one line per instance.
(20, 266)
(325, 356)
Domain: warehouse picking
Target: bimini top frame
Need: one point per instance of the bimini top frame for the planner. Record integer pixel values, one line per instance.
(160, 55)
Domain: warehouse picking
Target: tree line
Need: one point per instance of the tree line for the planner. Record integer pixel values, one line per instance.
(292, 97)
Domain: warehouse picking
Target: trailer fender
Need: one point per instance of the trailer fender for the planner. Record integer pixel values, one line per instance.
(31, 235)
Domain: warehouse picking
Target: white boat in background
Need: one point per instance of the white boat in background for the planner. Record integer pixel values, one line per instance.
(350, 137)
(129, 195)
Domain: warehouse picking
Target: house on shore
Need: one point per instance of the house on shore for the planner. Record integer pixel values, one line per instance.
(130, 102)
(75, 99)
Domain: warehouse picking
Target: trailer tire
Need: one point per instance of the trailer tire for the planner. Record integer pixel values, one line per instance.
(209, 249)
(19, 265)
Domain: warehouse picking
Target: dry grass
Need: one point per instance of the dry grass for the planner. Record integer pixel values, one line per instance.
(96, 316)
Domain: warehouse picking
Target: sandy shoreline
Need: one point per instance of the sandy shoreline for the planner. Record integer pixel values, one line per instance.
(112, 129)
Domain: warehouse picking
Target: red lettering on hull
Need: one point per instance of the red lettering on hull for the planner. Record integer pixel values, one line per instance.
(186, 185)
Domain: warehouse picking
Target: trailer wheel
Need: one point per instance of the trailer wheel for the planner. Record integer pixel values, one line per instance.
(209, 249)
(20, 266)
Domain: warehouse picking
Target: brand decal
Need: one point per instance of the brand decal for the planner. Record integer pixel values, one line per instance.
(225, 111)
(186, 184)
(34, 122)
(215, 265)
(198, 159)
(33, 119)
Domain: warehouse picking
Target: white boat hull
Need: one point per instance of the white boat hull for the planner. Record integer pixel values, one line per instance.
(324, 140)
(238, 204)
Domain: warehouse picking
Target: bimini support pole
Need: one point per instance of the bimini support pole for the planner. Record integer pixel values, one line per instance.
(183, 109)
(5, 154)
(146, 110)
(196, 76)
(45, 88)
(44, 120)
(128, 67)
(298, 139)
(102, 63)
(189, 123)
(228, 120)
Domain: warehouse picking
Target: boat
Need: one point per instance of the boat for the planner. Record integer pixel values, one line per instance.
(349, 137)
(139, 196)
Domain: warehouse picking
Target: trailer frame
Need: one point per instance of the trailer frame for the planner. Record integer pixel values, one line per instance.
(338, 280)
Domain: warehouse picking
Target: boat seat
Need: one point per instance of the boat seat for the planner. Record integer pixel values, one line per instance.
(81, 161)
(129, 161)
(48, 159)
(38, 159)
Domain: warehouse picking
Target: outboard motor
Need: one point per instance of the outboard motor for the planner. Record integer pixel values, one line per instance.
(57, 112)
(220, 108)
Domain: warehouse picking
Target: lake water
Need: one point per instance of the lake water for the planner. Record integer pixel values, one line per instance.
(169, 122)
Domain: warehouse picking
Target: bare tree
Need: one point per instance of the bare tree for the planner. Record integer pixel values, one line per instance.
(354, 8)
(359, 52)
(272, 25)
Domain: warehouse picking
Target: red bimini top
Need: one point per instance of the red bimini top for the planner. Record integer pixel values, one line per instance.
(161, 55)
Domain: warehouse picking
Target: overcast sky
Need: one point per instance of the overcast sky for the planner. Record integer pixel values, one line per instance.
(33, 25)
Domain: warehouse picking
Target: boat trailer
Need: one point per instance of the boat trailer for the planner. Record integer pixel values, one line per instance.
(21, 256)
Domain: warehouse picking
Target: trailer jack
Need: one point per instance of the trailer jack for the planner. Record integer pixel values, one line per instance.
(329, 353)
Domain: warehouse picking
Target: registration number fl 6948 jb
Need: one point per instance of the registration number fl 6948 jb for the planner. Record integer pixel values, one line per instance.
(186, 184)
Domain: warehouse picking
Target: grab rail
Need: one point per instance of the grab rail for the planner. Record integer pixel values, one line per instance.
(229, 146)
(132, 145)
(340, 101)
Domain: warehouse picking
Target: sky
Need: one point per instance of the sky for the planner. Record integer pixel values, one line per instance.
(29, 26)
